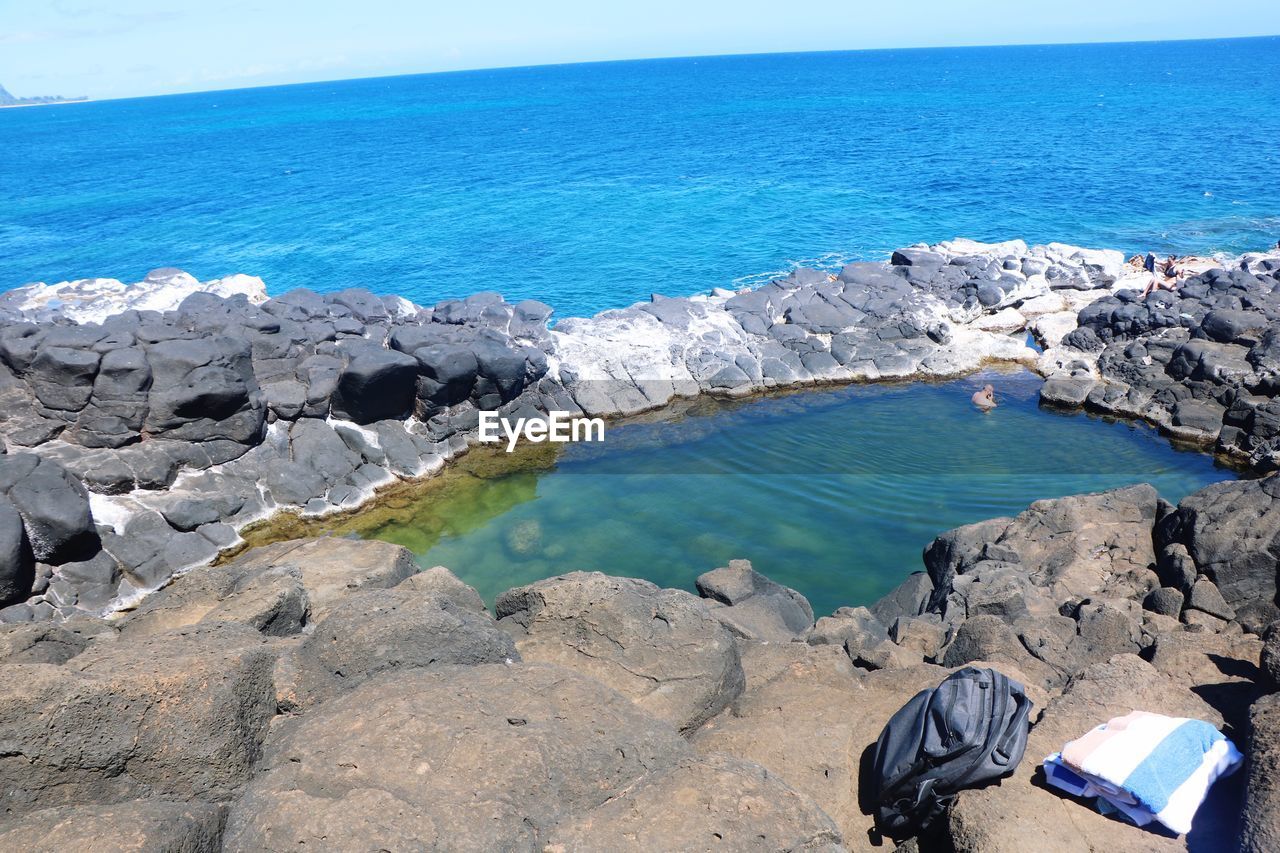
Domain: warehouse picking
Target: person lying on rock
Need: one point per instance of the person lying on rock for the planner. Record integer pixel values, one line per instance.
(985, 399)
(1168, 282)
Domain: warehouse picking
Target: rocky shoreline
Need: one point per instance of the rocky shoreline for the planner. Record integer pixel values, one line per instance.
(139, 442)
(328, 693)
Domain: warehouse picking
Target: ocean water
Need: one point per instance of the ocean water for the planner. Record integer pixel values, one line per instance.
(592, 186)
(834, 493)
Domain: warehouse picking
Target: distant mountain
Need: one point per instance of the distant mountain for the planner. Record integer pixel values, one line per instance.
(8, 100)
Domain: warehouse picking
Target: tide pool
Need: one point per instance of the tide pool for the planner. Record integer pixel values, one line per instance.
(832, 492)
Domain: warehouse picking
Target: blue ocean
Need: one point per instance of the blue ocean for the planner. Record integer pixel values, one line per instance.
(592, 186)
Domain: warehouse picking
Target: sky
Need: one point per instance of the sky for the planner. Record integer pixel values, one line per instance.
(126, 48)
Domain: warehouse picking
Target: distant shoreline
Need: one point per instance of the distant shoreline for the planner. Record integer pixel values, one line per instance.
(46, 103)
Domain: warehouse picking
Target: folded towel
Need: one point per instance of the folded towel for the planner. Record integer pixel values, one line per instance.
(1147, 766)
(1110, 799)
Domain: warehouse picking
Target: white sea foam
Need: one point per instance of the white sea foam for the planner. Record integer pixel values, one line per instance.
(92, 300)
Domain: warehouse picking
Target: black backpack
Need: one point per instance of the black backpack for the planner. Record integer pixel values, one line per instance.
(969, 730)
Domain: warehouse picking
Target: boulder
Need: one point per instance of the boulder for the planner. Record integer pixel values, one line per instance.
(921, 635)
(1205, 597)
(62, 377)
(663, 648)
(1232, 532)
(705, 803)
(400, 628)
(39, 642)
(120, 828)
(851, 628)
(440, 582)
(204, 390)
(468, 758)
(886, 655)
(1166, 601)
(54, 506)
(375, 385)
(1057, 550)
(990, 638)
(17, 563)
(755, 607)
(448, 373)
(1067, 392)
(1228, 326)
(1175, 568)
(333, 568)
(1261, 830)
(270, 599)
(909, 598)
(1270, 660)
(180, 715)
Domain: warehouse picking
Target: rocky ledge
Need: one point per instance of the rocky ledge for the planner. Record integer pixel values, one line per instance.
(327, 694)
(145, 425)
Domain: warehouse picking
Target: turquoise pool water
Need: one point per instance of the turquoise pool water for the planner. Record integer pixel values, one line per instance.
(834, 493)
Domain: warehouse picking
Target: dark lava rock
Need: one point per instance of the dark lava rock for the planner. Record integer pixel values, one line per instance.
(1206, 598)
(1232, 532)
(449, 372)
(54, 506)
(909, 598)
(1084, 338)
(204, 390)
(1067, 392)
(40, 642)
(1166, 601)
(852, 628)
(376, 385)
(755, 607)
(17, 563)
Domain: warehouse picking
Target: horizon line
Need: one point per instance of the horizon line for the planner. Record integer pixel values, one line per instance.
(527, 66)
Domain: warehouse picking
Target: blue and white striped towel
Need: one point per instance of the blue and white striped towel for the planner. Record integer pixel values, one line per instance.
(1145, 766)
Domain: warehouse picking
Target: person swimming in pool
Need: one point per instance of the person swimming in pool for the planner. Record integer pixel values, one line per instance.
(985, 399)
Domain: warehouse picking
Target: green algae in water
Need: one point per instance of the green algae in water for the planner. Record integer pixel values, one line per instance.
(834, 493)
